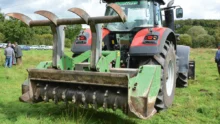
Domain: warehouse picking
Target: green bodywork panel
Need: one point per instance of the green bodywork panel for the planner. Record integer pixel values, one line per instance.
(65, 63)
(143, 90)
(148, 76)
(106, 59)
(81, 58)
(44, 65)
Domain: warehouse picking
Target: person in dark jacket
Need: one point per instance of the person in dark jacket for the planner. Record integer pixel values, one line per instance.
(13, 59)
(9, 54)
(217, 59)
(18, 54)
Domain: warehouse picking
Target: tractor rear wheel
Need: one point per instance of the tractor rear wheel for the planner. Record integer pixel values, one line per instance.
(182, 80)
(167, 60)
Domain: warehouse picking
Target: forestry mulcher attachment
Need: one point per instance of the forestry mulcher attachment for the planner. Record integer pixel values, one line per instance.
(130, 63)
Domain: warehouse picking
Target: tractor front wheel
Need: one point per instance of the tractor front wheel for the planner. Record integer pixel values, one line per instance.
(168, 81)
(167, 60)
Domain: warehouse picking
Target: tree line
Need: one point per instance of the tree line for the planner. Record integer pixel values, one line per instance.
(13, 30)
(198, 33)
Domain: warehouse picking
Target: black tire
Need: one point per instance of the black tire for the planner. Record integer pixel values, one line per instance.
(182, 80)
(167, 60)
(183, 53)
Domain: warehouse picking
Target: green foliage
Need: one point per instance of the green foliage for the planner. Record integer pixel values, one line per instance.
(36, 39)
(15, 30)
(2, 17)
(68, 43)
(183, 29)
(217, 36)
(195, 31)
(196, 22)
(197, 27)
(42, 30)
(205, 41)
(185, 39)
(2, 38)
(211, 31)
(72, 31)
(45, 39)
(189, 22)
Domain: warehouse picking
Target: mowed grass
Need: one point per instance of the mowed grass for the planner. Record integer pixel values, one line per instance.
(199, 103)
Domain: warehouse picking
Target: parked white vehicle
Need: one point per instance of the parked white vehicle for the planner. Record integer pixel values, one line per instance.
(4, 45)
(1, 45)
(34, 47)
(48, 47)
(42, 47)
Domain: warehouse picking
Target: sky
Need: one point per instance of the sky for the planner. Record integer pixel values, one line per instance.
(194, 9)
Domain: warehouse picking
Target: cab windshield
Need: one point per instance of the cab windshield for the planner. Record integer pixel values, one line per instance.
(139, 14)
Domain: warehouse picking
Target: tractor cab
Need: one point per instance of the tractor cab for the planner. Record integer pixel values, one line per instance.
(143, 14)
(140, 14)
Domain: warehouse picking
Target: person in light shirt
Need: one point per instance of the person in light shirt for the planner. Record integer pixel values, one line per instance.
(9, 54)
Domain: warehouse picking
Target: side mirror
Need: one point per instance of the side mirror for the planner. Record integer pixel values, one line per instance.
(179, 13)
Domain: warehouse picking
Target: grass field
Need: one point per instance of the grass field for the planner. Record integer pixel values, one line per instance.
(199, 103)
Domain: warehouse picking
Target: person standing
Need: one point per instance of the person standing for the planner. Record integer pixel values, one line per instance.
(13, 59)
(217, 59)
(18, 54)
(9, 53)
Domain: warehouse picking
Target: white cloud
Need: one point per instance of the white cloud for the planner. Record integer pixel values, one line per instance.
(59, 7)
(200, 9)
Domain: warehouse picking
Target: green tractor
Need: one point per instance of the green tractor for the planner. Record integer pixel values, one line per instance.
(127, 59)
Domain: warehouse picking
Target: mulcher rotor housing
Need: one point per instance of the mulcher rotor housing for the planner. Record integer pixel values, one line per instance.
(123, 64)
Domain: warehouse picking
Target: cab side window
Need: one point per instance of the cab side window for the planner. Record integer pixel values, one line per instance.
(158, 14)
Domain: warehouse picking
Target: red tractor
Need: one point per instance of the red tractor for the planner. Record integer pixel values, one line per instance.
(132, 62)
(145, 39)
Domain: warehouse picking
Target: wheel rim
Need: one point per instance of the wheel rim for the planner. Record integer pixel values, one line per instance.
(170, 79)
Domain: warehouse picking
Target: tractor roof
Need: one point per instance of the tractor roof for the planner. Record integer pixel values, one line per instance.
(161, 2)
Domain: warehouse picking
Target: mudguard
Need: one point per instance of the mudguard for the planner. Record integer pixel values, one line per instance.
(79, 47)
(141, 47)
(183, 53)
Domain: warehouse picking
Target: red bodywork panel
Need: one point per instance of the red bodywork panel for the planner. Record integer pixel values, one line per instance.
(105, 32)
(139, 37)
